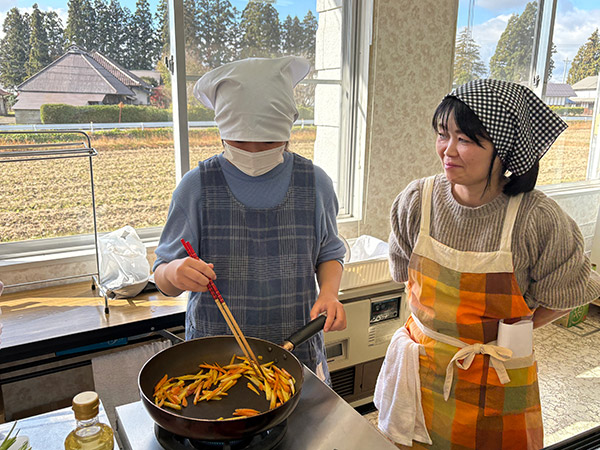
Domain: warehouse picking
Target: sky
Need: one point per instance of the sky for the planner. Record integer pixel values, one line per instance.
(575, 21)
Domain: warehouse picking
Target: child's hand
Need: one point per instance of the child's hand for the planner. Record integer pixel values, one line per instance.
(189, 274)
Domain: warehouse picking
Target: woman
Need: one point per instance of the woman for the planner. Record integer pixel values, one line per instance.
(260, 217)
(478, 245)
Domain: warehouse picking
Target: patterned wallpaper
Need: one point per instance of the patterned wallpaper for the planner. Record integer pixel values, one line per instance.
(411, 70)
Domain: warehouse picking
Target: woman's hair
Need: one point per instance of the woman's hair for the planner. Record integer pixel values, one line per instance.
(468, 122)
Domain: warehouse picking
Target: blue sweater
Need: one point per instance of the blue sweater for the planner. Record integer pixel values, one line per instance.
(265, 191)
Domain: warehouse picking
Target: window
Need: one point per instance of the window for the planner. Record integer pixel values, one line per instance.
(137, 168)
(83, 53)
(537, 44)
(334, 37)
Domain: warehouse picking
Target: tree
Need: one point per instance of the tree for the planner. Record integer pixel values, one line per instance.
(80, 24)
(292, 36)
(55, 33)
(38, 43)
(117, 22)
(260, 30)
(14, 49)
(215, 32)
(512, 58)
(103, 28)
(309, 29)
(162, 19)
(586, 61)
(467, 62)
(144, 47)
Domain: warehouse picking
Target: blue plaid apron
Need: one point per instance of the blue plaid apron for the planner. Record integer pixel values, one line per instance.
(265, 260)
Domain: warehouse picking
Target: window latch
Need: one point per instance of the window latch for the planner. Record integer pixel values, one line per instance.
(170, 64)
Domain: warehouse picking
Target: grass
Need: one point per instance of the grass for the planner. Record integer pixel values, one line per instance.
(134, 177)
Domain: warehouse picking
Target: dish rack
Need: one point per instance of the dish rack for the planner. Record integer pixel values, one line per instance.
(60, 150)
(364, 273)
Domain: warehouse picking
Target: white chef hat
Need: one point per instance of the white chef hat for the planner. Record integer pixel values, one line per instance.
(253, 98)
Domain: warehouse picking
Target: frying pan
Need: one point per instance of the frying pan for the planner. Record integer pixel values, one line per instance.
(200, 421)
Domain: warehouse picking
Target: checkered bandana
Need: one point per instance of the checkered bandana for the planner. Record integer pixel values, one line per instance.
(521, 126)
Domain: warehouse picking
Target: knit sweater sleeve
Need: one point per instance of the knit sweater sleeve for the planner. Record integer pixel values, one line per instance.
(405, 221)
(560, 275)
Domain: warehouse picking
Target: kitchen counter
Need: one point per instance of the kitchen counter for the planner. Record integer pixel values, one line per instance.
(322, 420)
(48, 431)
(61, 318)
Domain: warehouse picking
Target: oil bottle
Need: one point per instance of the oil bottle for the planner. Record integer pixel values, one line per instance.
(90, 434)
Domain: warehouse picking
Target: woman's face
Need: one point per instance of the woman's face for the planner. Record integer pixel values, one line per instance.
(255, 147)
(465, 162)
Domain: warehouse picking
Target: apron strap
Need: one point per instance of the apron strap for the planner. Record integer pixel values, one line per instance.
(466, 353)
(426, 206)
(509, 221)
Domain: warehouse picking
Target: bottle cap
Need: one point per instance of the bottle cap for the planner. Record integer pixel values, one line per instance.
(85, 405)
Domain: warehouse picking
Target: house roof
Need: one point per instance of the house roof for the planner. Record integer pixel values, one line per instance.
(75, 72)
(559, 90)
(155, 74)
(34, 100)
(127, 77)
(588, 83)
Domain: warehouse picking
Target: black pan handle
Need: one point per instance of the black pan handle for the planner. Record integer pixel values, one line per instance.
(305, 333)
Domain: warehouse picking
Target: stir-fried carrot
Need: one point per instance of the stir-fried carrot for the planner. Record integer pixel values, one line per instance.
(213, 381)
(245, 412)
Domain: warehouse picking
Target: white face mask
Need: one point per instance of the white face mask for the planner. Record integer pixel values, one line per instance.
(254, 163)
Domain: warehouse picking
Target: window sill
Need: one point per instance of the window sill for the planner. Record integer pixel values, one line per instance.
(569, 189)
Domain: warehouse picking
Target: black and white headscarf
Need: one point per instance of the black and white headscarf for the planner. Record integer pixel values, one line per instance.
(521, 126)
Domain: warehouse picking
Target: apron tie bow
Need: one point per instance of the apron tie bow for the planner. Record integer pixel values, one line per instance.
(464, 357)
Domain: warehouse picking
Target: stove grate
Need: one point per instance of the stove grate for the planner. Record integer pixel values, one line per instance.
(262, 441)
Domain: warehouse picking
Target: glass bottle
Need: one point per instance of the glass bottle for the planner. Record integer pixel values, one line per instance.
(90, 434)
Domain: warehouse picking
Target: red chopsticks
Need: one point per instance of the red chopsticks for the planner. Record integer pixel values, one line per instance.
(231, 322)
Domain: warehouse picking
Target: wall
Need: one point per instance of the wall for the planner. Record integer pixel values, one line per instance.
(26, 116)
(410, 72)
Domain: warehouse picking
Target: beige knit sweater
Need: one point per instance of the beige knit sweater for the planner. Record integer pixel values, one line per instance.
(548, 250)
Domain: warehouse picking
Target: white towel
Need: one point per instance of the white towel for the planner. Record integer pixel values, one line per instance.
(116, 375)
(398, 392)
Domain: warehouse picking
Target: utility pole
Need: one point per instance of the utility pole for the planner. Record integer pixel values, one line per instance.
(565, 69)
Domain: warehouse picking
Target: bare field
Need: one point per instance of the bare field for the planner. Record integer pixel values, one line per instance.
(567, 159)
(134, 177)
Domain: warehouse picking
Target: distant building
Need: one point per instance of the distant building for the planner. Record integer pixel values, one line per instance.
(3, 103)
(79, 78)
(559, 94)
(585, 93)
(152, 74)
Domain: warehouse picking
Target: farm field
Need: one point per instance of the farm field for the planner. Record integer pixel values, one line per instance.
(134, 177)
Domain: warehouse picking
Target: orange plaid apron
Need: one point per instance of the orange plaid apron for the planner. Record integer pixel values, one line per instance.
(457, 299)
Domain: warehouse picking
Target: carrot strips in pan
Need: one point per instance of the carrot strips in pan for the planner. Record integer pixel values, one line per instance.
(213, 381)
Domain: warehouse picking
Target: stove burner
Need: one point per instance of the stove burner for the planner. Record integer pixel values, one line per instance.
(261, 441)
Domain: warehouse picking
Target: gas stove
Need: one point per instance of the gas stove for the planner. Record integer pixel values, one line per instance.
(322, 420)
(267, 440)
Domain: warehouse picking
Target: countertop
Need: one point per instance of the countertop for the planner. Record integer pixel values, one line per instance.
(48, 431)
(53, 319)
(322, 420)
